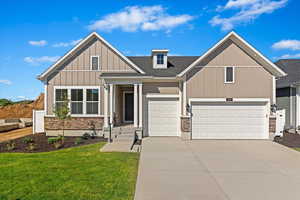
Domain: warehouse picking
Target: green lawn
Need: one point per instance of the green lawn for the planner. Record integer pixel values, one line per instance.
(76, 173)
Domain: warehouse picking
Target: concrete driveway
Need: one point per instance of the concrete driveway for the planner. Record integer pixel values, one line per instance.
(211, 170)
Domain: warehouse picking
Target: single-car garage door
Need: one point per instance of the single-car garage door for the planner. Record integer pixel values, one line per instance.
(229, 121)
(162, 117)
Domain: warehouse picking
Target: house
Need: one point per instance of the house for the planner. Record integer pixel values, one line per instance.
(288, 91)
(224, 94)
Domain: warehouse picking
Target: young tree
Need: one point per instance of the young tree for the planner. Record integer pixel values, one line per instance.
(62, 112)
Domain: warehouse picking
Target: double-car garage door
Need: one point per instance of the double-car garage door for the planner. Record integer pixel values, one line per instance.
(229, 121)
(210, 120)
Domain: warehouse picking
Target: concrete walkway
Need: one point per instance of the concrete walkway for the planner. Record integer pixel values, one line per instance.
(215, 170)
(15, 134)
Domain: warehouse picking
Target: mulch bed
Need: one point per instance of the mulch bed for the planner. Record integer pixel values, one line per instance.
(41, 143)
(289, 140)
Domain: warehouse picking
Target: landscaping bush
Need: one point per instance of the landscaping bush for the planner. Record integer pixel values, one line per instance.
(53, 140)
(31, 146)
(58, 144)
(78, 141)
(10, 145)
(27, 140)
(86, 136)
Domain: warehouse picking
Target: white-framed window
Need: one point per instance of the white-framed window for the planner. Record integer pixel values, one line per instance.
(83, 100)
(95, 63)
(160, 59)
(61, 95)
(77, 101)
(92, 101)
(229, 74)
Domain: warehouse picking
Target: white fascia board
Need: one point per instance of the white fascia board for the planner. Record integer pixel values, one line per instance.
(162, 96)
(44, 74)
(278, 71)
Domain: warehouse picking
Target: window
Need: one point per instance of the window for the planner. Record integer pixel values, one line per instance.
(160, 59)
(92, 101)
(76, 101)
(83, 100)
(229, 74)
(95, 62)
(61, 97)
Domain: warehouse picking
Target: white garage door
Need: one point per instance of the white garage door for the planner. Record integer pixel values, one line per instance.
(229, 121)
(162, 116)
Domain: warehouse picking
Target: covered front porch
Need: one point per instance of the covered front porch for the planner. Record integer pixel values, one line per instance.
(123, 104)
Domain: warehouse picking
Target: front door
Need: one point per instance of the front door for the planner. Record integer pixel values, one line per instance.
(128, 107)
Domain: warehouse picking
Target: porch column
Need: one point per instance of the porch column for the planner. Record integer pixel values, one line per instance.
(140, 105)
(180, 98)
(184, 97)
(105, 105)
(135, 103)
(111, 104)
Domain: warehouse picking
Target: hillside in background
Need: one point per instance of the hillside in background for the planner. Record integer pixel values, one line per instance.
(22, 109)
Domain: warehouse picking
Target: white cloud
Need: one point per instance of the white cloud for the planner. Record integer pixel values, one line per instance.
(288, 56)
(40, 60)
(248, 11)
(67, 44)
(134, 18)
(38, 43)
(287, 44)
(6, 82)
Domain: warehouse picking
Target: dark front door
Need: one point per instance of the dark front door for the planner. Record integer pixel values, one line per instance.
(128, 107)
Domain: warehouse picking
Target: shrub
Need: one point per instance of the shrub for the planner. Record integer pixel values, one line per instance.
(31, 146)
(27, 140)
(86, 136)
(78, 141)
(58, 144)
(53, 140)
(10, 145)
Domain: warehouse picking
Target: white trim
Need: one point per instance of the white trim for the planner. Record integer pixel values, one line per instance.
(45, 97)
(105, 105)
(184, 97)
(274, 89)
(225, 75)
(135, 105)
(111, 105)
(91, 63)
(124, 107)
(140, 105)
(162, 95)
(42, 76)
(224, 100)
(180, 97)
(297, 106)
(84, 88)
(278, 71)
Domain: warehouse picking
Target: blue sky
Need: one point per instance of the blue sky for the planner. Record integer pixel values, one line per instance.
(33, 34)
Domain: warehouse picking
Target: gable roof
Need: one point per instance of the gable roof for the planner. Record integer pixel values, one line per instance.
(88, 38)
(292, 68)
(256, 55)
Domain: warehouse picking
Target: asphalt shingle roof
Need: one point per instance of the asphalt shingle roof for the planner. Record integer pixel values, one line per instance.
(292, 68)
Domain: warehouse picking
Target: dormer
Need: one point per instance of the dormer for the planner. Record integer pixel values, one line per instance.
(160, 58)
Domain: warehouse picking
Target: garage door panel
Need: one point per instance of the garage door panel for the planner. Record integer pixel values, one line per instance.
(162, 116)
(229, 121)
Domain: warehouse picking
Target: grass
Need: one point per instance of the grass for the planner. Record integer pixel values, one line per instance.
(297, 149)
(75, 173)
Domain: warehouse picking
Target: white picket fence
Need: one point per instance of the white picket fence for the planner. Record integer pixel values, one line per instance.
(38, 121)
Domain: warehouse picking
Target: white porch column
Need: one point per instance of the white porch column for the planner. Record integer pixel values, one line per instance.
(180, 98)
(111, 103)
(184, 98)
(140, 105)
(105, 105)
(135, 103)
